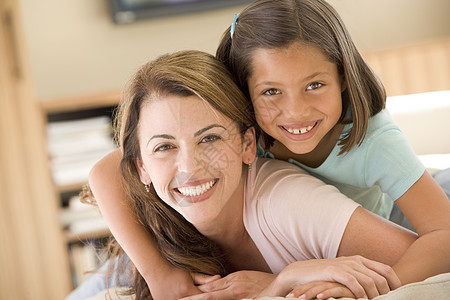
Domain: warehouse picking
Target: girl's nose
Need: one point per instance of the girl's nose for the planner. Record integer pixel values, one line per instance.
(295, 105)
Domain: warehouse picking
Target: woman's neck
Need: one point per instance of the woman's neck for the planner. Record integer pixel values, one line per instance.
(231, 235)
(229, 223)
(314, 158)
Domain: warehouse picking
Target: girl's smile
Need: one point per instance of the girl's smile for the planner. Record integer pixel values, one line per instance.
(300, 132)
(296, 93)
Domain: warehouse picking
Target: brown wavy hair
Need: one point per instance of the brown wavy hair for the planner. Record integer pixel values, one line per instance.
(184, 74)
(272, 24)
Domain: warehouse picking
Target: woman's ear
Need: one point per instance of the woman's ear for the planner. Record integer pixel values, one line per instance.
(343, 84)
(143, 174)
(249, 146)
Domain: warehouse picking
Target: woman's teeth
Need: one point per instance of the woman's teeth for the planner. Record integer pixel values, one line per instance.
(196, 190)
(300, 131)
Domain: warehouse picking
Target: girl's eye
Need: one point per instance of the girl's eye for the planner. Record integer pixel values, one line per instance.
(314, 86)
(163, 147)
(271, 92)
(210, 138)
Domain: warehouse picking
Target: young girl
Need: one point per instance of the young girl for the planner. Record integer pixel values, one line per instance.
(322, 108)
(195, 185)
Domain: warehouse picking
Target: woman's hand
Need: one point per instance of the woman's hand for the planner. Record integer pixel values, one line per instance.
(237, 285)
(363, 277)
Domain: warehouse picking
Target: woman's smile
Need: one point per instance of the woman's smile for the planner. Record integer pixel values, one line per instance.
(196, 192)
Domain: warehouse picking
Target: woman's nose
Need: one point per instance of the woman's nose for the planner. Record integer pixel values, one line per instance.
(188, 161)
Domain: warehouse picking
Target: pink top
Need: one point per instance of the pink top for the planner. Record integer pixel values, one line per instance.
(291, 215)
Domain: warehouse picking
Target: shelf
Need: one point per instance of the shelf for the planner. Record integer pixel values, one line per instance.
(78, 134)
(72, 237)
(105, 99)
(70, 187)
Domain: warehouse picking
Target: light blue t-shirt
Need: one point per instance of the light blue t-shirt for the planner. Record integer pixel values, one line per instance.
(374, 173)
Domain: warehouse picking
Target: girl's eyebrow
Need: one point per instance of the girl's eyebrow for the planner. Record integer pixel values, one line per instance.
(315, 74)
(170, 137)
(309, 77)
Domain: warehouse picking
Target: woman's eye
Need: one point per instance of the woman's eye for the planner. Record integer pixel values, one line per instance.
(164, 147)
(314, 86)
(210, 138)
(271, 92)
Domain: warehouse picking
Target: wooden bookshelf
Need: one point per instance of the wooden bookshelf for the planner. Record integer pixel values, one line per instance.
(74, 109)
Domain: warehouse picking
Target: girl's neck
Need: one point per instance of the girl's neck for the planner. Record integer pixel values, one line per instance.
(314, 158)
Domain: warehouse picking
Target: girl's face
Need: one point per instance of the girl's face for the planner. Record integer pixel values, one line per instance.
(296, 94)
(193, 155)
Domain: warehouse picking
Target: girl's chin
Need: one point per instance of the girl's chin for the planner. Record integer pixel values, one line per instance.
(300, 149)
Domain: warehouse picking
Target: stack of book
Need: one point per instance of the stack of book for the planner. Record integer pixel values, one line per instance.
(76, 145)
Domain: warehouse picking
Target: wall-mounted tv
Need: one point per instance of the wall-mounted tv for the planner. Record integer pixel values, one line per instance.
(128, 11)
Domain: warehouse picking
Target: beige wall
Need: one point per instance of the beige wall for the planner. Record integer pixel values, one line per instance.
(75, 49)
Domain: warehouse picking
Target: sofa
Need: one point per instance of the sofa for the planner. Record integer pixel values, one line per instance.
(425, 120)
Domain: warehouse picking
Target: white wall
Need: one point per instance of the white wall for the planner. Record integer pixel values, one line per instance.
(75, 49)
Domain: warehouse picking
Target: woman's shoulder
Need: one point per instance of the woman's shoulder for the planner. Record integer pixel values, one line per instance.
(275, 179)
(267, 166)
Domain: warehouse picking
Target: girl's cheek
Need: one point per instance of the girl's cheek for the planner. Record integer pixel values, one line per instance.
(265, 110)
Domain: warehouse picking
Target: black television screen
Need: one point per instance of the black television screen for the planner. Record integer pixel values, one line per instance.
(128, 11)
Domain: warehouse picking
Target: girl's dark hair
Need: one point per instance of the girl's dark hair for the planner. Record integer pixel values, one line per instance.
(184, 74)
(272, 24)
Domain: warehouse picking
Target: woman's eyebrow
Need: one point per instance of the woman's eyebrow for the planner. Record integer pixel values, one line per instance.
(170, 137)
(160, 136)
(208, 128)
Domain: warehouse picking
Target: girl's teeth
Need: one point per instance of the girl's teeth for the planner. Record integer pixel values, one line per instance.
(301, 130)
(196, 190)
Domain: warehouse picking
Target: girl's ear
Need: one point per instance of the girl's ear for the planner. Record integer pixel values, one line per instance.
(249, 146)
(143, 174)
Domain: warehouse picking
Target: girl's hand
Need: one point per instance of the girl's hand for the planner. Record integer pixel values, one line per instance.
(180, 283)
(237, 285)
(363, 277)
(321, 290)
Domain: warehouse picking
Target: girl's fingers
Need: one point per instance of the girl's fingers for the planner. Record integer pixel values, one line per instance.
(200, 278)
(353, 281)
(373, 277)
(335, 292)
(384, 270)
(320, 290)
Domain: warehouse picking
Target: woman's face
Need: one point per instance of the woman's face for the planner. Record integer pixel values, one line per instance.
(296, 94)
(193, 156)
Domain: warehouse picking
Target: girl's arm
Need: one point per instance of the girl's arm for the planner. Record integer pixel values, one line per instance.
(413, 259)
(427, 208)
(105, 181)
